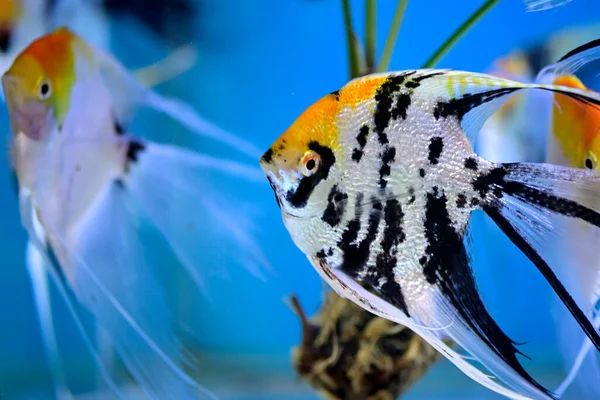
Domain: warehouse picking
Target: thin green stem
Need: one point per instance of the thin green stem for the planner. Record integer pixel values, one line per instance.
(459, 33)
(390, 42)
(371, 34)
(353, 56)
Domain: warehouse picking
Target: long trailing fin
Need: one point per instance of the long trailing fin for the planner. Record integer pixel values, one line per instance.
(121, 289)
(543, 5)
(433, 328)
(571, 62)
(179, 61)
(36, 237)
(584, 369)
(579, 255)
(128, 94)
(524, 200)
(180, 192)
(38, 273)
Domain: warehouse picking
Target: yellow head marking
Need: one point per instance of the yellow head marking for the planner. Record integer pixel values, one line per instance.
(46, 70)
(576, 126)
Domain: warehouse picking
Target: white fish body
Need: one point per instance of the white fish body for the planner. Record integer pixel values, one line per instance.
(89, 185)
(377, 182)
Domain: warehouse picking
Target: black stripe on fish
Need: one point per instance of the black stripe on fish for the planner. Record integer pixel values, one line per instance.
(393, 235)
(471, 163)
(6, 34)
(411, 192)
(355, 256)
(415, 82)
(361, 138)
(384, 101)
(460, 106)
(496, 181)
(527, 249)
(490, 181)
(134, 148)
(300, 196)
(551, 202)
(401, 108)
(420, 78)
(447, 265)
(461, 200)
(268, 156)
(336, 204)
(336, 95)
(119, 129)
(579, 97)
(436, 146)
(388, 156)
(581, 49)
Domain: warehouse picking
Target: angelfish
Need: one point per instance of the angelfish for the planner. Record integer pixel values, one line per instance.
(86, 185)
(377, 183)
(574, 140)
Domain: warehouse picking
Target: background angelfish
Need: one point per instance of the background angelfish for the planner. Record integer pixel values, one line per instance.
(86, 186)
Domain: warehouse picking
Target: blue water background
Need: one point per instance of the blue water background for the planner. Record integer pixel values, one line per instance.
(261, 64)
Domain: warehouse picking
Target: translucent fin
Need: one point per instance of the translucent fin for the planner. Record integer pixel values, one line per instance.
(571, 62)
(584, 370)
(176, 63)
(116, 284)
(543, 208)
(472, 98)
(128, 94)
(36, 236)
(543, 5)
(430, 328)
(173, 187)
(41, 293)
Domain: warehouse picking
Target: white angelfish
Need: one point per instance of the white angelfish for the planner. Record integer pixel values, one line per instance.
(85, 187)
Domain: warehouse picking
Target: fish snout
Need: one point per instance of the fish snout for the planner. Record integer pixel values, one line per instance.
(28, 115)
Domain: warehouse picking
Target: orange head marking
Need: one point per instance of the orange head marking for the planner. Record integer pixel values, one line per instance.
(576, 126)
(41, 79)
(301, 165)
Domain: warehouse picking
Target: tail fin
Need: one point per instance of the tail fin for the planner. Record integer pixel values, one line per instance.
(527, 203)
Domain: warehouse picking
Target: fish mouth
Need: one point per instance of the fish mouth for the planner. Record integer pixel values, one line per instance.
(277, 189)
(28, 115)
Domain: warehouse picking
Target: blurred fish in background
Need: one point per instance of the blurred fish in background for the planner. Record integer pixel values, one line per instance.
(24, 21)
(84, 186)
(573, 140)
(567, 138)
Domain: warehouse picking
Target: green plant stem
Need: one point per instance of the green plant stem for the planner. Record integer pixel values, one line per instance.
(371, 34)
(390, 42)
(459, 33)
(353, 56)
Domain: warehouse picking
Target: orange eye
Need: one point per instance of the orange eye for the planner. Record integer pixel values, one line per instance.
(309, 164)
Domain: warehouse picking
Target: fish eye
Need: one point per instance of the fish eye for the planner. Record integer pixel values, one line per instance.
(309, 163)
(590, 161)
(44, 90)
